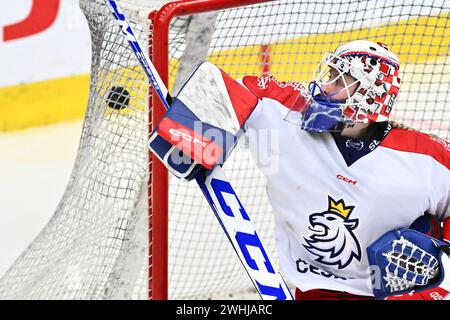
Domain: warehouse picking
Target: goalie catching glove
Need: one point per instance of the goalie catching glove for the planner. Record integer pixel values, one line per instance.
(410, 265)
(204, 122)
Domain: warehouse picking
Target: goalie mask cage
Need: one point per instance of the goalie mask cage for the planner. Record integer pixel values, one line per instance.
(124, 229)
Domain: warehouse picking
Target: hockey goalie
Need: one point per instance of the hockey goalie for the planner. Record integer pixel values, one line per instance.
(361, 203)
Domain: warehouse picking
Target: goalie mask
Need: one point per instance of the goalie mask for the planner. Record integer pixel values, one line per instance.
(357, 83)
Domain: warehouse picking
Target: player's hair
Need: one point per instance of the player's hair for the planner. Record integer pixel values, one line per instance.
(398, 125)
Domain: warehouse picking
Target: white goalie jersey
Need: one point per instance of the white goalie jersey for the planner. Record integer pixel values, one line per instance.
(332, 196)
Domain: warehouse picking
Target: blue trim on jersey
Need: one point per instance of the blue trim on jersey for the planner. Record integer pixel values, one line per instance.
(354, 149)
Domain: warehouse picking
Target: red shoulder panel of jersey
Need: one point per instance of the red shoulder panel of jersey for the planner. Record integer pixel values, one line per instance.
(285, 92)
(417, 142)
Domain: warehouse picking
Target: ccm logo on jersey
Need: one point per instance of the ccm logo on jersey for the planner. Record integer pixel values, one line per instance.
(244, 235)
(185, 136)
(341, 177)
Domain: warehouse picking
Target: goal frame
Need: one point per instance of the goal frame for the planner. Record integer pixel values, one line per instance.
(158, 198)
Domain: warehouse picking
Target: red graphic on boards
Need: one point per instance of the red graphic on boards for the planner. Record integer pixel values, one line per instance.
(42, 15)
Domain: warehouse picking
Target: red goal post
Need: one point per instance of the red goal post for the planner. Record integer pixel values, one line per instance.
(159, 203)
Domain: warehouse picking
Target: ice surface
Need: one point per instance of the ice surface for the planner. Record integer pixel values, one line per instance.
(35, 166)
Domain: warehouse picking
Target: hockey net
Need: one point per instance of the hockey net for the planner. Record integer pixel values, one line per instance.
(107, 238)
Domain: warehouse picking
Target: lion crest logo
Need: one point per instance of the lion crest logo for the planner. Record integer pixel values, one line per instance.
(331, 238)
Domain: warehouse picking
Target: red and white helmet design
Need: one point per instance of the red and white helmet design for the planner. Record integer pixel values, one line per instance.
(376, 69)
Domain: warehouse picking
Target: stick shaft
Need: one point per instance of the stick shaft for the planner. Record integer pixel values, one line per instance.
(141, 55)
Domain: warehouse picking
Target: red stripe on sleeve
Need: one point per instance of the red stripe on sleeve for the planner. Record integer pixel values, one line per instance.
(417, 142)
(285, 92)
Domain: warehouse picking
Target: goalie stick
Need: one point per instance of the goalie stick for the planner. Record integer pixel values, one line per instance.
(219, 193)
